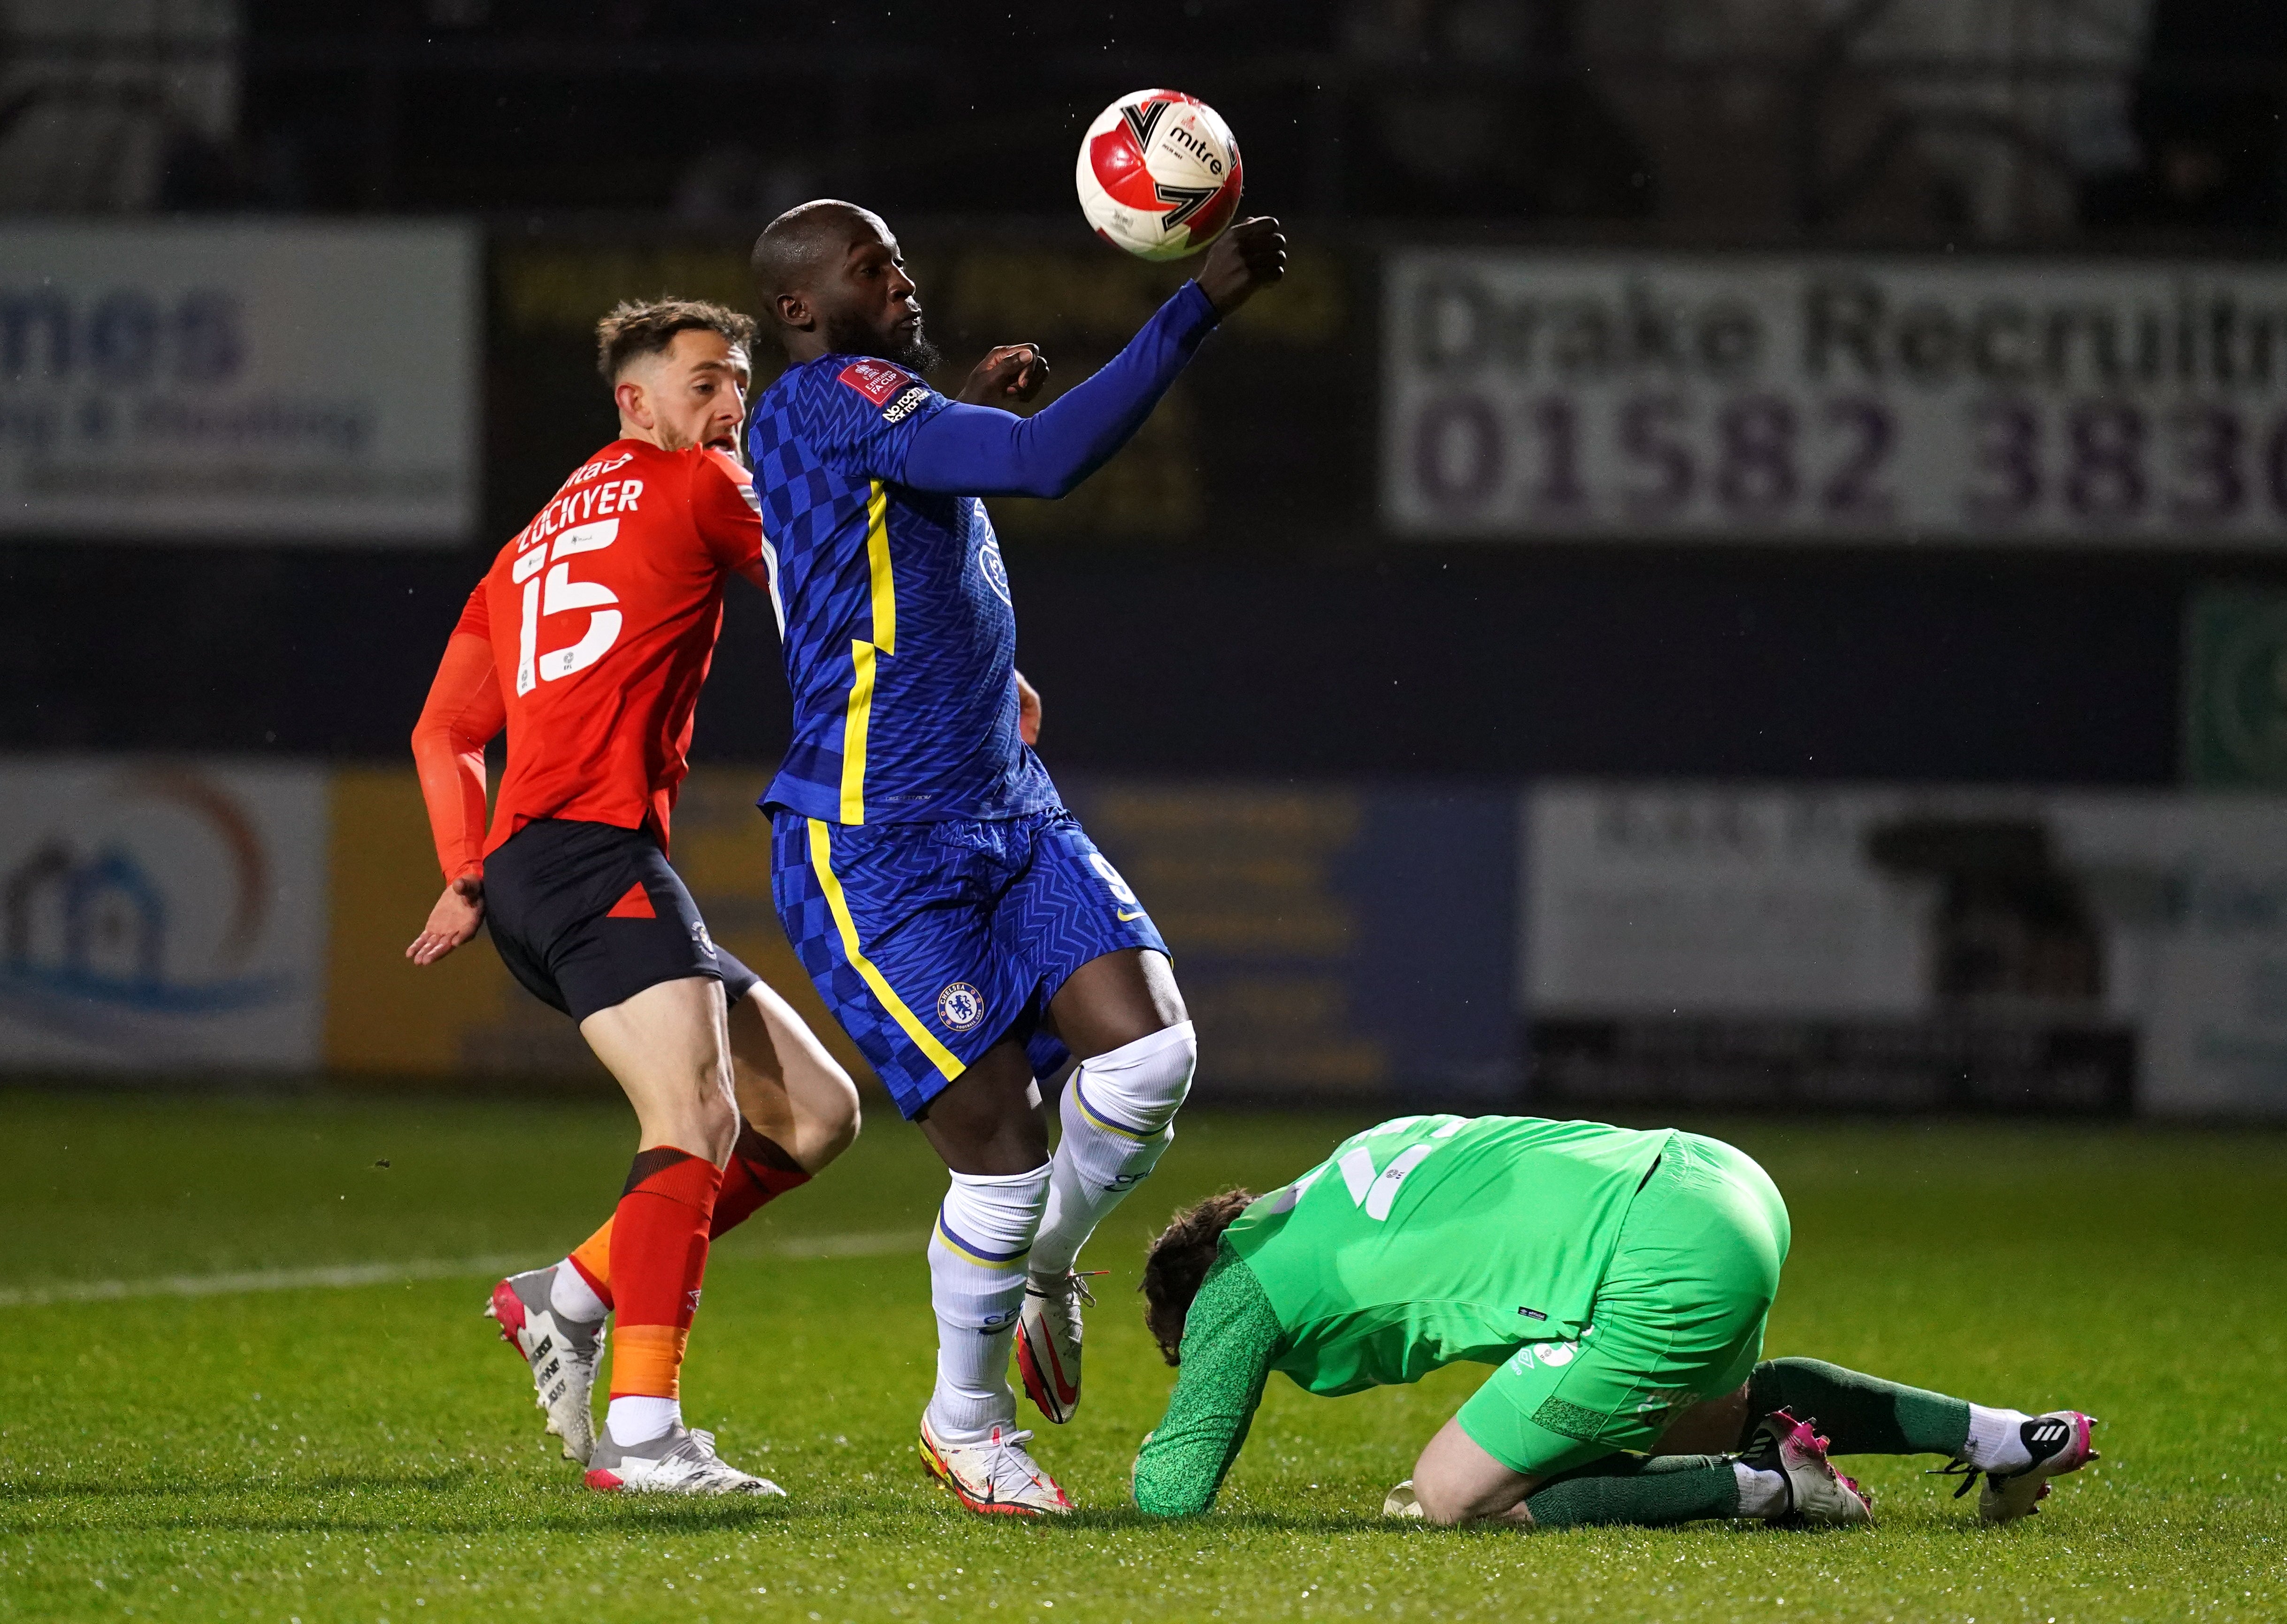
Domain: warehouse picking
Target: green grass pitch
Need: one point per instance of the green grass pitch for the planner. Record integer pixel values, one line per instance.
(371, 1453)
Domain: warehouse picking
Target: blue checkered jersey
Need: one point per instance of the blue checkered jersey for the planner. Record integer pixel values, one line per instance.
(900, 638)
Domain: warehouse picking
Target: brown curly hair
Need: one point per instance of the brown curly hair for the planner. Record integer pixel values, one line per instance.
(1178, 1260)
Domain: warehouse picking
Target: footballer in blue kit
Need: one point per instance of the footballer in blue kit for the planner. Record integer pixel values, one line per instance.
(955, 915)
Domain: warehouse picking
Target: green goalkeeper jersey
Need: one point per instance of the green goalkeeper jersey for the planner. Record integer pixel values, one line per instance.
(1418, 1243)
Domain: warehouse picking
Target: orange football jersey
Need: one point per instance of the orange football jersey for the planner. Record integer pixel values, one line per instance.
(602, 614)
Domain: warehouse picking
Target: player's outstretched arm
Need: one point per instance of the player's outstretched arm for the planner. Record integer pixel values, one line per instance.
(982, 451)
(1230, 1336)
(463, 711)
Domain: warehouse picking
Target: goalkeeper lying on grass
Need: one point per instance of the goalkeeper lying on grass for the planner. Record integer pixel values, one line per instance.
(1619, 1280)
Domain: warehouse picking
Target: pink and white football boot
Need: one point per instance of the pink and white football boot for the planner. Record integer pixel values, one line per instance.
(1817, 1495)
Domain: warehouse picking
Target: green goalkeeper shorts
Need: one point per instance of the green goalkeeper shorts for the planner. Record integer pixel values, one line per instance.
(1678, 1317)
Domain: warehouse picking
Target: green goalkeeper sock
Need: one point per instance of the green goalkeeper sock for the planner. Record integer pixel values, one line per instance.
(1861, 1414)
(1627, 1488)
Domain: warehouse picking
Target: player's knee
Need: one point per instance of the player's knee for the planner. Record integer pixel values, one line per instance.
(1143, 1084)
(839, 1119)
(718, 1126)
(1444, 1499)
(713, 1113)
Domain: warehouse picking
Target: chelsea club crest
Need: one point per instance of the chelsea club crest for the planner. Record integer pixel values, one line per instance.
(959, 1006)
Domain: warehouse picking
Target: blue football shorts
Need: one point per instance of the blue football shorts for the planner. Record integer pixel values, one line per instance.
(931, 942)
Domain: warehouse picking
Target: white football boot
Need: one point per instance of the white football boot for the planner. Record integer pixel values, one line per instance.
(1816, 1494)
(561, 1353)
(1402, 1502)
(1048, 1343)
(995, 1476)
(2058, 1442)
(680, 1461)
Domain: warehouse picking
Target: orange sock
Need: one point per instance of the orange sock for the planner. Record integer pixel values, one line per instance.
(592, 1258)
(660, 1236)
(760, 1172)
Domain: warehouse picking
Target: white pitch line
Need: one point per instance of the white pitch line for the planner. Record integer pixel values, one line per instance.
(809, 1248)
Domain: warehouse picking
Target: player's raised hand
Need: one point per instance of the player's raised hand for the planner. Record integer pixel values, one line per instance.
(1251, 255)
(1009, 372)
(452, 922)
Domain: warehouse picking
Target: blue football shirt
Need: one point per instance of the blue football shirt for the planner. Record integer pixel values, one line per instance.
(900, 638)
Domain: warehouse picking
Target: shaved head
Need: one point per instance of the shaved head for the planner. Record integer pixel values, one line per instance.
(808, 239)
(831, 275)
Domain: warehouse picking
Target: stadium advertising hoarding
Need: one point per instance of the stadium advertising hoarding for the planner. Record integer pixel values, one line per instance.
(1335, 942)
(160, 915)
(1869, 946)
(1754, 397)
(1906, 948)
(271, 382)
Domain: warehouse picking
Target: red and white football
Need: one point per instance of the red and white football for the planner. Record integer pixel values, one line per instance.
(1159, 174)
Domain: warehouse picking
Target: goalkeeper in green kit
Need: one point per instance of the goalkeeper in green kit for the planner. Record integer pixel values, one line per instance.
(1619, 1281)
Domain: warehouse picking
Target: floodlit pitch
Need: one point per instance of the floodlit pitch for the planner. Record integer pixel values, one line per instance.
(357, 1445)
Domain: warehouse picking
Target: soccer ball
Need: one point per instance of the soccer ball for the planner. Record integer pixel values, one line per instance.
(1159, 174)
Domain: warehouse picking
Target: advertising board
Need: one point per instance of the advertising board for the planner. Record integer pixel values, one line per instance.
(1757, 398)
(160, 915)
(271, 381)
(1906, 948)
(1336, 943)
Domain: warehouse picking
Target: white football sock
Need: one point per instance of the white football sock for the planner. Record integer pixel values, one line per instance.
(1118, 1112)
(1762, 1492)
(1995, 1443)
(571, 1295)
(977, 1254)
(635, 1419)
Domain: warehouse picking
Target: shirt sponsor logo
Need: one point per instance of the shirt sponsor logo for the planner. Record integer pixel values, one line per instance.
(907, 404)
(876, 380)
(961, 1006)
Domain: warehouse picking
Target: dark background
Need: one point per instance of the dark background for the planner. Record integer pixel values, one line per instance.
(1234, 606)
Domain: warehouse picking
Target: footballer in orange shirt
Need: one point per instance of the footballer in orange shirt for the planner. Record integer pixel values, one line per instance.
(589, 639)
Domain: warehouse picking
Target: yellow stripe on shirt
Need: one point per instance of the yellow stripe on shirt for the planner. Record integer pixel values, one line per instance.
(877, 564)
(858, 716)
(821, 863)
(855, 721)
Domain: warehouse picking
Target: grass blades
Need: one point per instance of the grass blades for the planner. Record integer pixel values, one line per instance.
(371, 1452)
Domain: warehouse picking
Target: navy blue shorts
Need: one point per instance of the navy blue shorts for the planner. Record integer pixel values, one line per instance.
(586, 916)
(931, 942)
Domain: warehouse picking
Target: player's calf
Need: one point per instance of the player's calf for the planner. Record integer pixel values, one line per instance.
(2015, 1453)
(1117, 1116)
(976, 1255)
